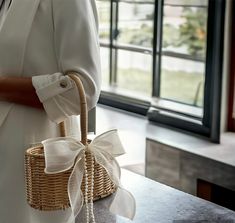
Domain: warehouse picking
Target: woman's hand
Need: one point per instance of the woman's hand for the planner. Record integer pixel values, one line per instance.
(19, 90)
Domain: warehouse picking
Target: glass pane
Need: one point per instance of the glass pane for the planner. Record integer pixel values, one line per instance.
(182, 80)
(184, 51)
(104, 20)
(104, 53)
(187, 2)
(135, 24)
(134, 73)
(185, 30)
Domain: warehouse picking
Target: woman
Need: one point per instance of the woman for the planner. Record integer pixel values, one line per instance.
(40, 41)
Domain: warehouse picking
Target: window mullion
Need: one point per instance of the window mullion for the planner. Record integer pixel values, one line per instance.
(212, 98)
(113, 38)
(116, 32)
(157, 46)
(111, 43)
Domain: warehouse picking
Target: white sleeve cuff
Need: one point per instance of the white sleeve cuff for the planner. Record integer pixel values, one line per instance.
(47, 86)
(54, 112)
(58, 94)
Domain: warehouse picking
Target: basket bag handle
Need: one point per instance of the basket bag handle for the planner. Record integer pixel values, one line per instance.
(84, 128)
(83, 107)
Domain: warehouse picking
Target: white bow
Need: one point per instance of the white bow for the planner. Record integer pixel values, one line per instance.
(61, 153)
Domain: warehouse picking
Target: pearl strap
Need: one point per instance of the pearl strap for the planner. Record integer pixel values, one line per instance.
(90, 218)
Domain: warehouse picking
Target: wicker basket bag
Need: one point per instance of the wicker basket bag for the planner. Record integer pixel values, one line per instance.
(48, 192)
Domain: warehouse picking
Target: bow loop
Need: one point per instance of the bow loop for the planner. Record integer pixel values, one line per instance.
(109, 142)
(60, 153)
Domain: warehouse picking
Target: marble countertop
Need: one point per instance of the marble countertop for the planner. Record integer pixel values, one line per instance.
(158, 203)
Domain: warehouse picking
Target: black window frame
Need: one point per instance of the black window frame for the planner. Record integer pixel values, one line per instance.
(209, 125)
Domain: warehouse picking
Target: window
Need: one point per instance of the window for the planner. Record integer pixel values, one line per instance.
(163, 59)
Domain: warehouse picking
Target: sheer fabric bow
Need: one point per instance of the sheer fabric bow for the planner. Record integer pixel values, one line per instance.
(63, 153)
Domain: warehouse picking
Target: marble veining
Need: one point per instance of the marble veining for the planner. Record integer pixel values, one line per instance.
(158, 203)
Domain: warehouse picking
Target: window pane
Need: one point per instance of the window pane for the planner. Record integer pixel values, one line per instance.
(135, 24)
(184, 51)
(134, 72)
(187, 2)
(185, 30)
(182, 80)
(104, 53)
(104, 20)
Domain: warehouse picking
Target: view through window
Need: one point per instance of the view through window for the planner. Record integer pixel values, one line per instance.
(127, 50)
(129, 68)
(184, 51)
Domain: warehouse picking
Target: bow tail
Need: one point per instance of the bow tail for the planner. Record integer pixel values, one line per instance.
(123, 203)
(74, 185)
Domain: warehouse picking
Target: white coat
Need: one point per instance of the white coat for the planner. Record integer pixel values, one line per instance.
(43, 39)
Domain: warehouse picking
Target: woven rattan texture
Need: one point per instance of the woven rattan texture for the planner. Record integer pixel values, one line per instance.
(49, 191)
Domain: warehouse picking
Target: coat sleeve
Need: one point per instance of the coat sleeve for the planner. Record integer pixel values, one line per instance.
(77, 49)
